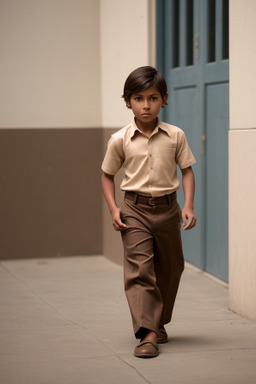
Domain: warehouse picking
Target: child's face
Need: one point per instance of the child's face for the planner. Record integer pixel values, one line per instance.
(147, 104)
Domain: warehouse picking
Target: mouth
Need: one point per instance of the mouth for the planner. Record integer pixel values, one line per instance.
(146, 114)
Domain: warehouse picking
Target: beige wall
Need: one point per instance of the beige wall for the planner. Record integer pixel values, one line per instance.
(127, 42)
(127, 30)
(50, 64)
(242, 64)
(242, 159)
(50, 136)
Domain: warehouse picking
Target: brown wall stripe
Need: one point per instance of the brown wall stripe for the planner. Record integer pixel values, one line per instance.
(50, 194)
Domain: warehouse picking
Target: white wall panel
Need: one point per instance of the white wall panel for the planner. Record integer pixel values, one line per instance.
(50, 63)
(242, 64)
(127, 28)
(242, 213)
(242, 160)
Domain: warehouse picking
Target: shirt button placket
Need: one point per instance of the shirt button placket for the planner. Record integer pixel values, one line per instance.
(150, 164)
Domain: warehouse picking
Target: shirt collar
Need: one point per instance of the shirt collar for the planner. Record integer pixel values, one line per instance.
(134, 128)
(159, 125)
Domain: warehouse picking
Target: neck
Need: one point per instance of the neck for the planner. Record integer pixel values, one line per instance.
(146, 128)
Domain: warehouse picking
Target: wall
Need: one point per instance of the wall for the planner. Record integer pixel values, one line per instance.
(50, 128)
(49, 66)
(63, 65)
(242, 159)
(127, 42)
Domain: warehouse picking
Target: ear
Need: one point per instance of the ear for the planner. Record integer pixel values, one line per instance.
(164, 101)
(128, 105)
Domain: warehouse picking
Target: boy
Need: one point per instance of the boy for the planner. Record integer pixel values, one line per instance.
(149, 219)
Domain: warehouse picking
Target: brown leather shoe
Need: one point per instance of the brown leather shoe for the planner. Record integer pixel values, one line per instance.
(146, 349)
(161, 335)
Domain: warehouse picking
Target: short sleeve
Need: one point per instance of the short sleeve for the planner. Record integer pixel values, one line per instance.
(184, 155)
(114, 156)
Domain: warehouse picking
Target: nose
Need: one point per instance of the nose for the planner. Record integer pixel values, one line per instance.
(146, 104)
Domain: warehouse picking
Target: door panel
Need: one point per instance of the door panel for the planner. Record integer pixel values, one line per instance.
(217, 180)
(184, 114)
(193, 55)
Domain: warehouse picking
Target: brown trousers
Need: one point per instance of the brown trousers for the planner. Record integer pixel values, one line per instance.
(153, 258)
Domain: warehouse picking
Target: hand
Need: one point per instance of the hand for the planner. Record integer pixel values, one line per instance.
(188, 214)
(116, 220)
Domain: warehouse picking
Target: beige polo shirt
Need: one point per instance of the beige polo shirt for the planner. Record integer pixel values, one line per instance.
(150, 163)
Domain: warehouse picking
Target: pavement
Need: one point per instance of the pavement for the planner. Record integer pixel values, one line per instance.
(66, 321)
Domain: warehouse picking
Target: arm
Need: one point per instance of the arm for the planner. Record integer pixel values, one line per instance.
(188, 182)
(108, 187)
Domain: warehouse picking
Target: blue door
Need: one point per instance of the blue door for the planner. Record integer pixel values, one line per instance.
(193, 55)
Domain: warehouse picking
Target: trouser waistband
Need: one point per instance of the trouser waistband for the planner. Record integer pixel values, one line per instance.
(148, 200)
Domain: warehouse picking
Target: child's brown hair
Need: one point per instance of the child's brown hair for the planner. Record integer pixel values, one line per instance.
(143, 78)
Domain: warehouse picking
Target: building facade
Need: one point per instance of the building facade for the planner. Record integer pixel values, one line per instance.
(62, 71)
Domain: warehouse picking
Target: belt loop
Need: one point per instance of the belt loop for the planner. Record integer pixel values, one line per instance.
(135, 198)
(168, 199)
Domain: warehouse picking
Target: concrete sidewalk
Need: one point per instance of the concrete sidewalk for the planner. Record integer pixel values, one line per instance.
(66, 321)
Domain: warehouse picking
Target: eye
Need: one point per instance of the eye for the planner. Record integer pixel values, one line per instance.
(137, 98)
(154, 98)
